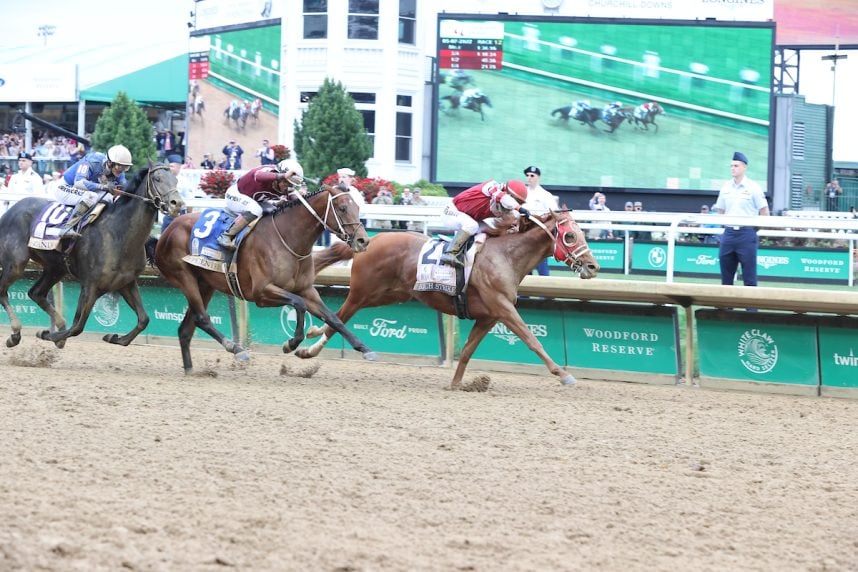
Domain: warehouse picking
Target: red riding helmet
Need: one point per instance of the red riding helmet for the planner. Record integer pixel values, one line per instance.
(516, 189)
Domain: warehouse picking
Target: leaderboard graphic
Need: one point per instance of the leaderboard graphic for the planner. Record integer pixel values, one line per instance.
(472, 53)
(602, 103)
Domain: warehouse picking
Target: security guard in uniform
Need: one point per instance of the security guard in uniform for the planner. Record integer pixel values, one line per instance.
(740, 196)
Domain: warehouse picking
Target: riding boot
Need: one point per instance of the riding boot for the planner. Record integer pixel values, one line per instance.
(451, 255)
(80, 210)
(227, 237)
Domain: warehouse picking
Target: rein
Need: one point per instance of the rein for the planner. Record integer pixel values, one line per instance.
(151, 197)
(340, 231)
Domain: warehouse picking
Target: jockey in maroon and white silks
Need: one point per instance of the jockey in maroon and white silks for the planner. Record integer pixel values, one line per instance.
(487, 203)
(263, 184)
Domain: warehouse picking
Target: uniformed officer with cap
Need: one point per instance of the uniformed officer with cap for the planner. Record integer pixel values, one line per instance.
(740, 196)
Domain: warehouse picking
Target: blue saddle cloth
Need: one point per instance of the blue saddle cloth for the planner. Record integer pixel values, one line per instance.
(209, 226)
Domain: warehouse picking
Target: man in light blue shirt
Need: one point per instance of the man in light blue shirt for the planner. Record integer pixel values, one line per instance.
(740, 196)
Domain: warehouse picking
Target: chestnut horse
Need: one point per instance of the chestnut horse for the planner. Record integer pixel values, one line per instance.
(275, 267)
(386, 273)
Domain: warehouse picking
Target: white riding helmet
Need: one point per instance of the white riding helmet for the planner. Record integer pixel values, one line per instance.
(120, 155)
(287, 165)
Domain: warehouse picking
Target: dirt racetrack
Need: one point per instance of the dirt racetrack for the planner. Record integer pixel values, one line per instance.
(111, 459)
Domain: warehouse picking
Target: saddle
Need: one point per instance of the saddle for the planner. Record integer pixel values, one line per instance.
(46, 227)
(206, 253)
(432, 276)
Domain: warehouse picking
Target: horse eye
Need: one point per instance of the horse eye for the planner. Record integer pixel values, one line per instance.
(569, 238)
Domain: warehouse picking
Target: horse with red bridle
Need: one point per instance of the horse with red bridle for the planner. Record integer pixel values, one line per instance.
(386, 274)
(274, 265)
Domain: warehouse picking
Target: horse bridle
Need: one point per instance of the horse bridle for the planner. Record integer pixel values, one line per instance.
(340, 231)
(563, 251)
(152, 198)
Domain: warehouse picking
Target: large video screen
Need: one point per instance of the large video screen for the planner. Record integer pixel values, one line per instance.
(610, 104)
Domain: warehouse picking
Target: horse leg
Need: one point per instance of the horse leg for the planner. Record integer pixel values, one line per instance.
(276, 296)
(131, 294)
(509, 317)
(478, 332)
(8, 276)
(86, 300)
(197, 316)
(39, 294)
(337, 321)
(345, 313)
(272, 296)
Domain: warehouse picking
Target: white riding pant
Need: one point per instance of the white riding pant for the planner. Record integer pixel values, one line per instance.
(71, 196)
(240, 204)
(454, 219)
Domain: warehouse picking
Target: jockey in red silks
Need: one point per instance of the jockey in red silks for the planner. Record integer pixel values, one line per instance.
(487, 203)
(263, 184)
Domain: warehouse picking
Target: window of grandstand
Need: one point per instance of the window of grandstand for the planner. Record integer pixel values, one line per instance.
(407, 21)
(315, 19)
(403, 128)
(369, 125)
(363, 19)
(403, 136)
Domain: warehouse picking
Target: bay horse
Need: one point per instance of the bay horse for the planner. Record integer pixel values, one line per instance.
(275, 266)
(578, 111)
(474, 102)
(615, 116)
(644, 115)
(386, 273)
(108, 257)
(237, 113)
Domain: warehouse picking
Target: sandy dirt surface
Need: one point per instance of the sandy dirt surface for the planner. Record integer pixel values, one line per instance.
(212, 132)
(111, 459)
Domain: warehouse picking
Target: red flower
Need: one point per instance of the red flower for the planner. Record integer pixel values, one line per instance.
(281, 152)
(215, 183)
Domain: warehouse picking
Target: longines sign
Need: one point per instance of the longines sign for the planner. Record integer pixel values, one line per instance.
(52, 83)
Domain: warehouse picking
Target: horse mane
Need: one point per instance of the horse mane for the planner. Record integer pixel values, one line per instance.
(133, 183)
(291, 203)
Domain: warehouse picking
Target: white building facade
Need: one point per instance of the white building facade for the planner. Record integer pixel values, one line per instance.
(383, 52)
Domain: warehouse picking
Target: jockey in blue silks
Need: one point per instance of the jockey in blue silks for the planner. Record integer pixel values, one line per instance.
(96, 177)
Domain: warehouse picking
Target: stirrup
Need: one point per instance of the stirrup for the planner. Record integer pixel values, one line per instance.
(69, 232)
(226, 242)
(451, 260)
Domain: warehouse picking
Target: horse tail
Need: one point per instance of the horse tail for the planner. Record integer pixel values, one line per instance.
(151, 244)
(337, 252)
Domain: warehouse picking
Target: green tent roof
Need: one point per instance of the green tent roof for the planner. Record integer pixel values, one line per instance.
(165, 82)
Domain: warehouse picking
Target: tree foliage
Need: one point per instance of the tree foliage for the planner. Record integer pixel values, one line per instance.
(331, 134)
(124, 123)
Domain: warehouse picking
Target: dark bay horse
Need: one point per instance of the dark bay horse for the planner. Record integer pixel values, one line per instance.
(237, 113)
(108, 257)
(275, 267)
(644, 115)
(474, 103)
(386, 273)
(584, 113)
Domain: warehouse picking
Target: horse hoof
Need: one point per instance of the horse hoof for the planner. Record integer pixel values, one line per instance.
(568, 380)
(303, 353)
(60, 343)
(13, 340)
(44, 335)
(243, 356)
(110, 338)
(288, 347)
(370, 356)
